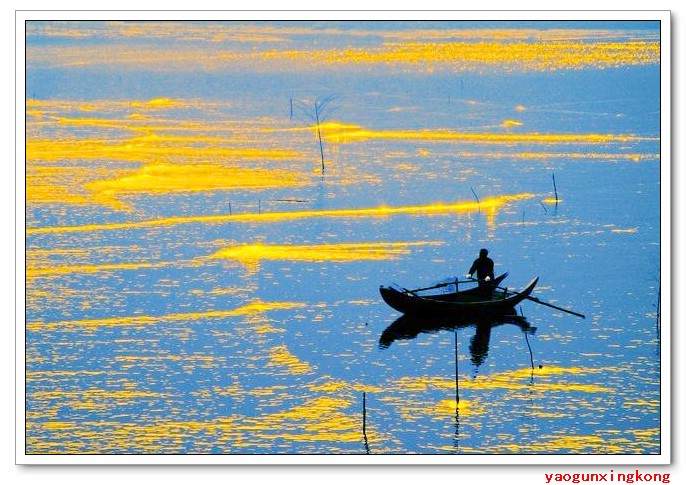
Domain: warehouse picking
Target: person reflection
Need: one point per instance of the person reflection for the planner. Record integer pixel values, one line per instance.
(479, 343)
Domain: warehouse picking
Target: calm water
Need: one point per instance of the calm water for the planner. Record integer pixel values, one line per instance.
(195, 284)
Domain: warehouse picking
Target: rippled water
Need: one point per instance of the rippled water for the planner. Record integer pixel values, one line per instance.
(196, 284)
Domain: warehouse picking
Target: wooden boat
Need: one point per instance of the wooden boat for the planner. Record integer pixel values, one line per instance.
(459, 303)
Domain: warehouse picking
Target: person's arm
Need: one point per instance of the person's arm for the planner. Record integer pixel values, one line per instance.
(472, 269)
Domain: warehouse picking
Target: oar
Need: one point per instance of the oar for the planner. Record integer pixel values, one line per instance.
(545, 303)
(541, 302)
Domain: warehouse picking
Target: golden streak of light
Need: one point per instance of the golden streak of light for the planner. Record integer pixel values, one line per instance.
(646, 433)
(62, 184)
(45, 193)
(466, 407)
(343, 252)
(513, 380)
(144, 117)
(413, 408)
(511, 123)
(249, 309)
(489, 204)
(250, 254)
(36, 272)
(318, 419)
(281, 357)
(40, 106)
(345, 133)
(536, 56)
(456, 56)
(147, 148)
(75, 185)
(327, 384)
(632, 157)
(157, 103)
(643, 403)
(169, 178)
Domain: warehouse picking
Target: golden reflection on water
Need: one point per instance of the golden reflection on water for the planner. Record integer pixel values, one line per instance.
(322, 418)
(281, 357)
(252, 308)
(39, 264)
(166, 178)
(333, 418)
(553, 393)
(172, 154)
(547, 380)
(505, 53)
(149, 148)
(605, 442)
(345, 133)
(414, 407)
(332, 413)
(584, 155)
(527, 56)
(35, 272)
(251, 254)
(490, 204)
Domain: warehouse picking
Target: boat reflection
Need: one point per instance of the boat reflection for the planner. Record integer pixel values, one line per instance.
(408, 327)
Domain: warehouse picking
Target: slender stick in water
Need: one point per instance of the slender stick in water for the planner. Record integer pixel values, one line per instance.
(543, 205)
(364, 421)
(319, 135)
(457, 400)
(531, 354)
(476, 197)
(364, 413)
(555, 189)
(457, 384)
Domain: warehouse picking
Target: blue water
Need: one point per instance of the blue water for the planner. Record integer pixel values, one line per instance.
(170, 376)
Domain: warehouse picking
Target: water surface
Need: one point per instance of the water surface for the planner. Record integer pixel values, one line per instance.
(195, 283)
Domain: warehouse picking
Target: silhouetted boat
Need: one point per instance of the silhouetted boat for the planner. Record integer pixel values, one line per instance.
(459, 303)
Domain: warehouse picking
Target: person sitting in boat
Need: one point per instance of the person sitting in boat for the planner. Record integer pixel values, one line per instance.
(483, 266)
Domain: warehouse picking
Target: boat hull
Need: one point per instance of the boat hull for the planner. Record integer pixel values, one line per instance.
(466, 303)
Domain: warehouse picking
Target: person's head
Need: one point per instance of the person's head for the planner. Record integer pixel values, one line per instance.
(483, 253)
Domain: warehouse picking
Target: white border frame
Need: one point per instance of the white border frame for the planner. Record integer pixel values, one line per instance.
(665, 241)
